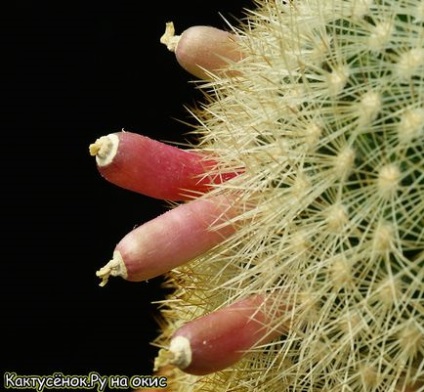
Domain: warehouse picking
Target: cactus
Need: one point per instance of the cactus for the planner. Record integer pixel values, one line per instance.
(325, 113)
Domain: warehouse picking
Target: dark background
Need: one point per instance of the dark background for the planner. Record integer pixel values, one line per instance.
(70, 75)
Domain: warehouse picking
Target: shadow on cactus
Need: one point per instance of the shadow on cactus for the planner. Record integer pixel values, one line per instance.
(307, 274)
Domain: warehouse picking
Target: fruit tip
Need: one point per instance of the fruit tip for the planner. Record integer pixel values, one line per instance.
(104, 149)
(169, 38)
(115, 267)
(180, 350)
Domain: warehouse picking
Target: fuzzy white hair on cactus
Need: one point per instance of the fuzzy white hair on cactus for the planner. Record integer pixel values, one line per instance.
(324, 113)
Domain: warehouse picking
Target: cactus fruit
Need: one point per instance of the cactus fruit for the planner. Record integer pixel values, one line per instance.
(325, 113)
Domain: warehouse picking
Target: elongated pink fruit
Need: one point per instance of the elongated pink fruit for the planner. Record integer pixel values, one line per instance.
(220, 339)
(152, 168)
(202, 50)
(170, 240)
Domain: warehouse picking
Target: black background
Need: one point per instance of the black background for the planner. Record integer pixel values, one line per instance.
(70, 75)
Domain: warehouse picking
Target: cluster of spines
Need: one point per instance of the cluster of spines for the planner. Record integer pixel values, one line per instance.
(326, 114)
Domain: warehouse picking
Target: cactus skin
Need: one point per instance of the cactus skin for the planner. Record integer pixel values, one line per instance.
(327, 116)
